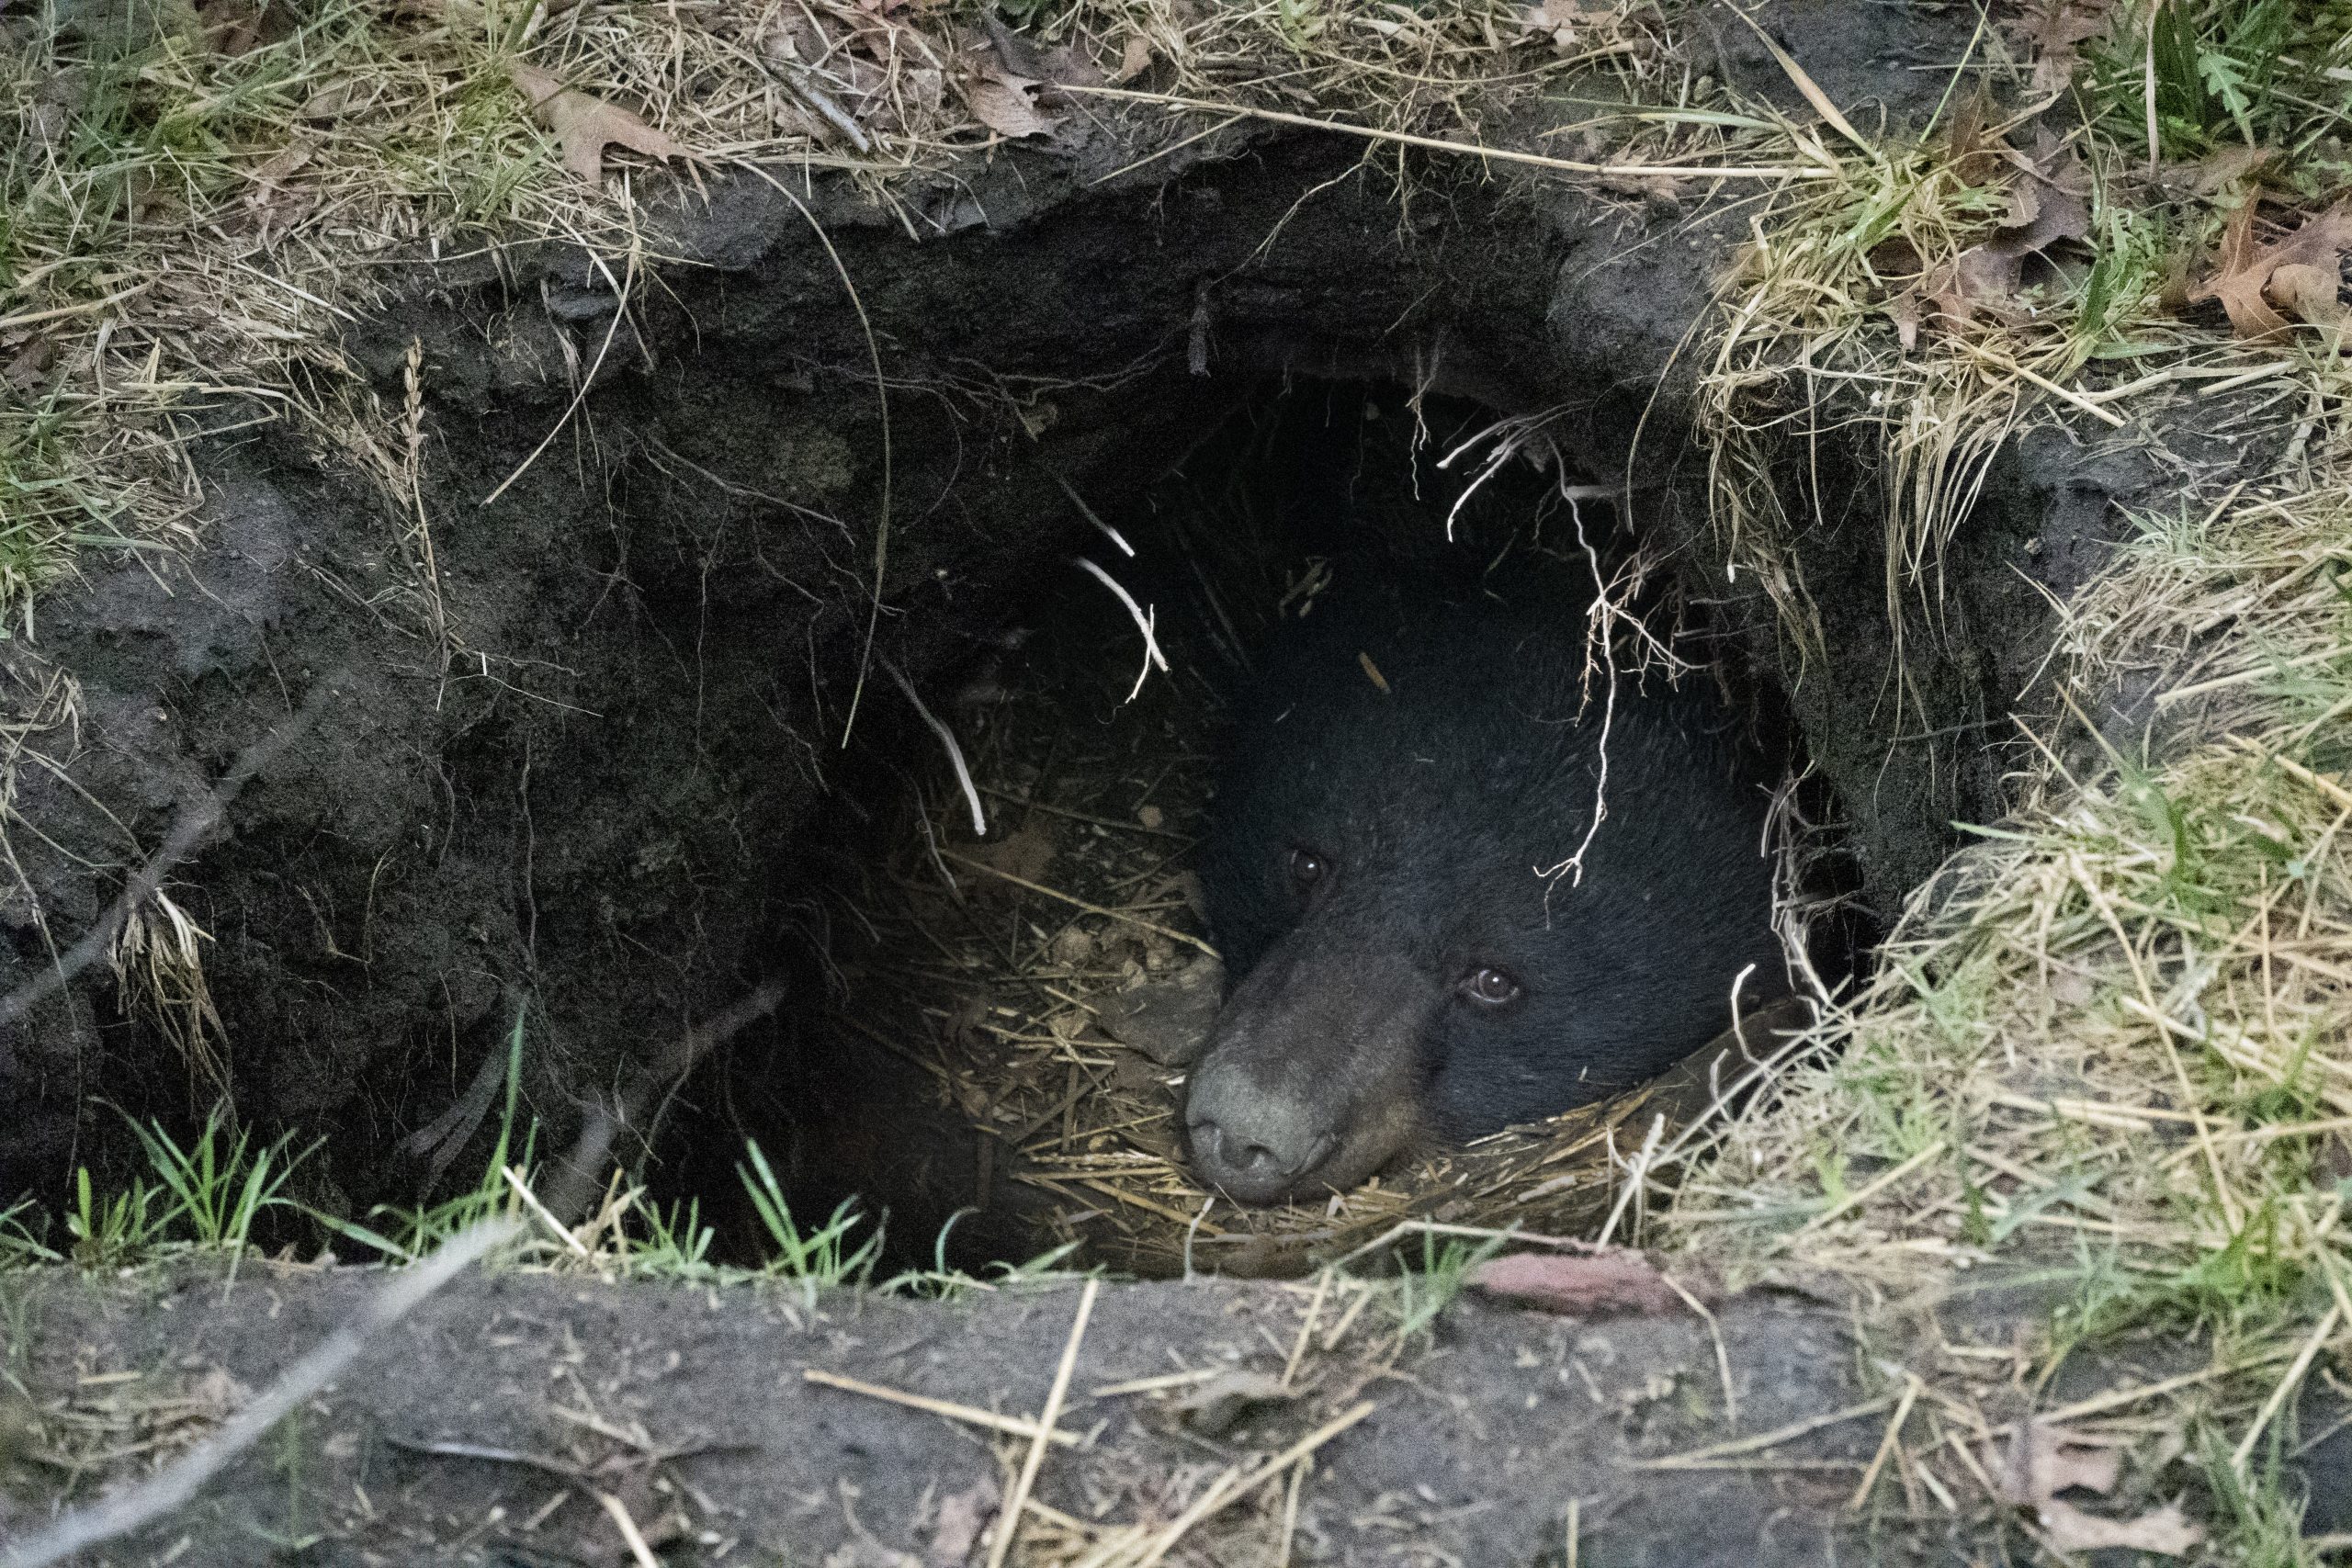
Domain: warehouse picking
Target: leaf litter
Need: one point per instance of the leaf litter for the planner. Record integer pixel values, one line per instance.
(2258, 286)
(2044, 1460)
(585, 125)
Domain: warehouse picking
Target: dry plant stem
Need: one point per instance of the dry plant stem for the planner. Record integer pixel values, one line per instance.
(1226, 1490)
(1864, 1193)
(2287, 1386)
(195, 820)
(1145, 624)
(178, 1483)
(1298, 1474)
(583, 1171)
(970, 1414)
(1468, 148)
(530, 1200)
(1701, 1457)
(987, 870)
(579, 394)
(1306, 1326)
(1886, 1444)
(638, 1547)
(1723, 1352)
(1806, 84)
(1009, 1521)
(881, 397)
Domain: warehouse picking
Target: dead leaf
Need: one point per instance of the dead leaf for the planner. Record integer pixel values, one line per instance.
(2052, 203)
(2308, 293)
(331, 102)
(1027, 853)
(2165, 1531)
(273, 204)
(1218, 1406)
(56, 105)
(2045, 1461)
(1582, 1285)
(586, 125)
(235, 28)
(2055, 30)
(962, 1516)
(2243, 269)
(2047, 205)
(1981, 278)
(1559, 19)
(1974, 152)
(30, 363)
(1904, 309)
(2216, 172)
(1135, 58)
(1003, 103)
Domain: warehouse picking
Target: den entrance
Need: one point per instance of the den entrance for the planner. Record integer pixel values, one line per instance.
(1006, 929)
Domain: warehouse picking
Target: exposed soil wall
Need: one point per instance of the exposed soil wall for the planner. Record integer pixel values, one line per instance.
(576, 765)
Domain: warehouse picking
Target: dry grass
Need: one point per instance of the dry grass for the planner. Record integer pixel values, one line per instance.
(2114, 1042)
(198, 202)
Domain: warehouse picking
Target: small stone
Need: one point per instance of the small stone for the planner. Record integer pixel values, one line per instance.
(1168, 1020)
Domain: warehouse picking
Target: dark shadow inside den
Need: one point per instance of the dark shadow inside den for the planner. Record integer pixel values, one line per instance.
(940, 1063)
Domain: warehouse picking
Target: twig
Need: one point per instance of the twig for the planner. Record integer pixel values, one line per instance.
(172, 1486)
(970, 1414)
(797, 78)
(1009, 1521)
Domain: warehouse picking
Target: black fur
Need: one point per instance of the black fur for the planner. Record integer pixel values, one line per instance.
(1437, 803)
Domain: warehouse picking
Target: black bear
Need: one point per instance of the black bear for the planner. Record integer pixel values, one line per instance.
(1404, 958)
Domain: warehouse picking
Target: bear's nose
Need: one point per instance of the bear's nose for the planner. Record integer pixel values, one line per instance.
(1256, 1146)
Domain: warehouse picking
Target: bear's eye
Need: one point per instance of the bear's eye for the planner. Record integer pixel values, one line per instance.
(1489, 987)
(1307, 869)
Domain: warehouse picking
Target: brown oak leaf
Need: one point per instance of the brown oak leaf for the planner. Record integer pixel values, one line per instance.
(1003, 103)
(586, 125)
(2245, 270)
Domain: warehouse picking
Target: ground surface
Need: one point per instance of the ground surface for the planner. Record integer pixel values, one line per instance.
(1482, 1433)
